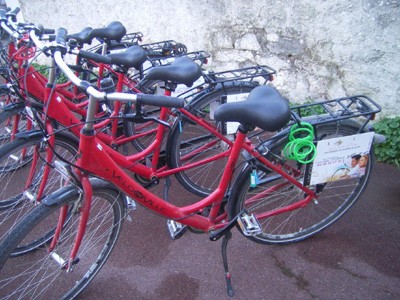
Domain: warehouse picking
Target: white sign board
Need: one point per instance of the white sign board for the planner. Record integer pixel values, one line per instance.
(341, 158)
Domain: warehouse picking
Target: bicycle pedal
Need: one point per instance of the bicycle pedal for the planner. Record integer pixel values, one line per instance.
(249, 224)
(176, 229)
(31, 197)
(130, 206)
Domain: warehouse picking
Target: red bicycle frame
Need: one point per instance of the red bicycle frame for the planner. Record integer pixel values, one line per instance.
(97, 158)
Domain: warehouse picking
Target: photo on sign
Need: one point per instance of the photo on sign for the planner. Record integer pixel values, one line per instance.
(341, 158)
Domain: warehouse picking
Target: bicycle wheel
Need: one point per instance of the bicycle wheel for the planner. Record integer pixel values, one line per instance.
(274, 192)
(8, 117)
(190, 143)
(22, 164)
(146, 131)
(40, 274)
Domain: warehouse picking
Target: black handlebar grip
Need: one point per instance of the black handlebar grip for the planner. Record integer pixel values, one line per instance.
(95, 57)
(14, 12)
(60, 36)
(45, 30)
(160, 100)
(48, 31)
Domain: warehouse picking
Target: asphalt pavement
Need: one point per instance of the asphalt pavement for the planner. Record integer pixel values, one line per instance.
(356, 258)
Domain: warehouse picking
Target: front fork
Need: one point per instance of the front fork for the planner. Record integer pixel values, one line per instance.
(84, 210)
(47, 167)
(49, 159)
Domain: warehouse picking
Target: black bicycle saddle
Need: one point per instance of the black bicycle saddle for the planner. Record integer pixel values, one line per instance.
(264, 108)
(132, 57)
(182, 70)
(114, 31)
(82, 37)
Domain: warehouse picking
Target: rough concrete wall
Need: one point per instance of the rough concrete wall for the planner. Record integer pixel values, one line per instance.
(321, 49)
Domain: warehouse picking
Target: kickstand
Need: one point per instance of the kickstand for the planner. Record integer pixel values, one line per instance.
(224, 246)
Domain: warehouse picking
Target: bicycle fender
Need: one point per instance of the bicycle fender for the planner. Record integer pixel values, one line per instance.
(13, 106)
(61, 196)
(29, 134)
(39, 134)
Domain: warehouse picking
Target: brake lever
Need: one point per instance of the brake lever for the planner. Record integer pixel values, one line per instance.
(142, 119)
(166, 124)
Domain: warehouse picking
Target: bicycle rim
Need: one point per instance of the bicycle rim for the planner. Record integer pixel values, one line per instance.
(18, 195)
(190, 143)
(274, 192)
(7, 124)
(43, 275)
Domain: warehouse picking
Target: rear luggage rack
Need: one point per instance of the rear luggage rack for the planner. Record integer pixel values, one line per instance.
(250, 74)
(256, 75)
(360, 107)
(132, 38)
(198, 56)
(164, 49)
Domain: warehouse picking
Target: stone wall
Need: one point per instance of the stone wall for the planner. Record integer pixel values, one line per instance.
(321, 49)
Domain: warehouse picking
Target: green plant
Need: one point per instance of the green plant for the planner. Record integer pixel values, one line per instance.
(308, 108)
(389, 151)
(44, 70)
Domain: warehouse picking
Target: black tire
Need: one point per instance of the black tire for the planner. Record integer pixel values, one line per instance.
(149, 128)
(15, 193)
(187, 137)
(7, 119)
(49, 279)
(335, 198)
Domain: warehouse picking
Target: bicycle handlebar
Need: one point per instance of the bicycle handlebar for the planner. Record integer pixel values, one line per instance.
(156, 100)
(160, 100)
(61, 40)
(45, 30)
(5, 14)
(8, 25)
(59, 48)
(93, 56)
(13, 14)
(8, 29)
(61, 35)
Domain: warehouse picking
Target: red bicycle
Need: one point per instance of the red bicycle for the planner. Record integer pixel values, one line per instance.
(30, 156)
(272, 200)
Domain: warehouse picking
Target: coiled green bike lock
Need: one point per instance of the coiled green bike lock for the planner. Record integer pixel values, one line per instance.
(301, 147)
